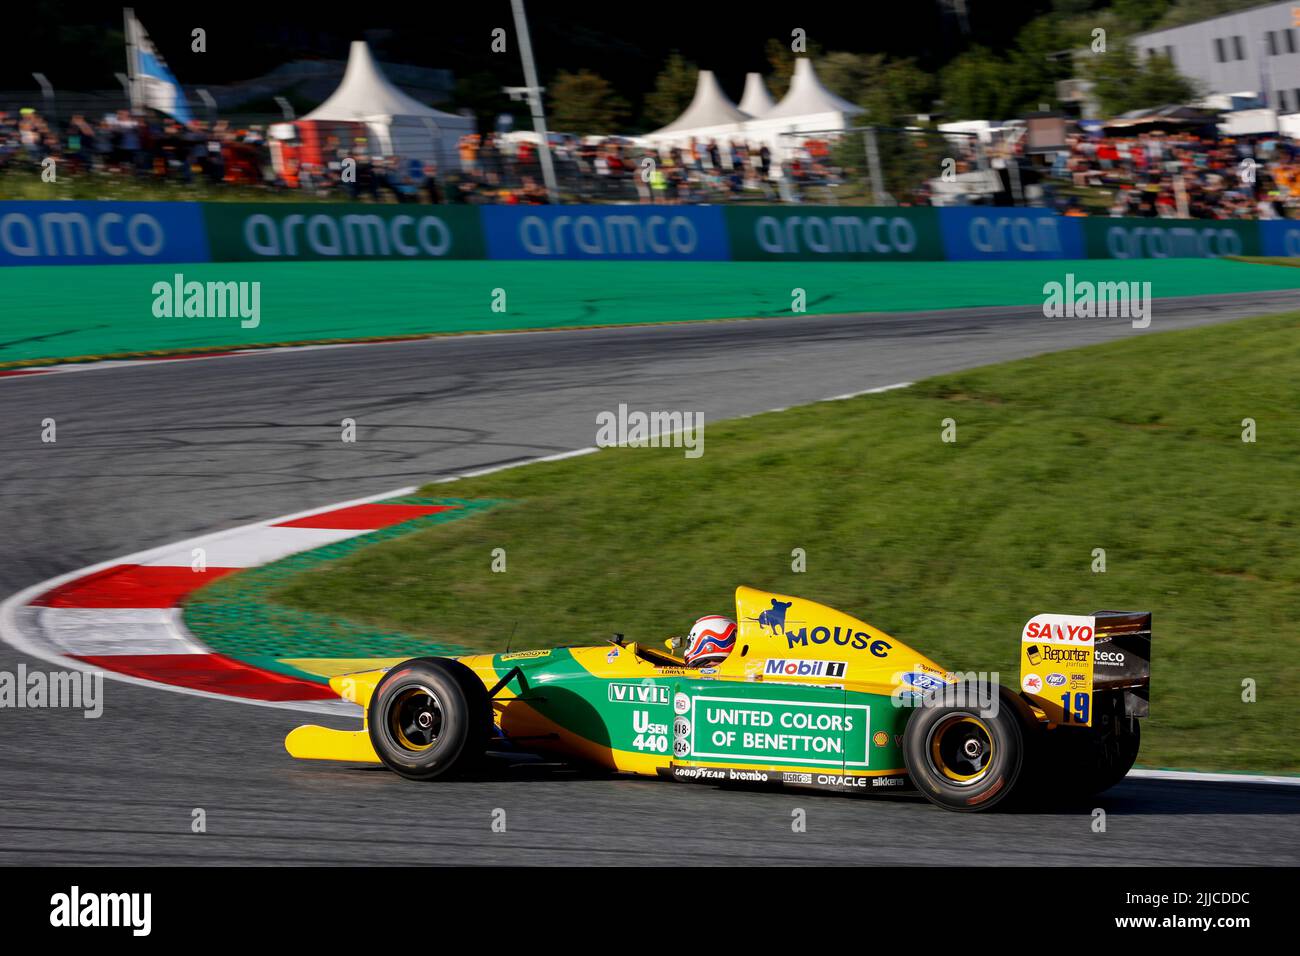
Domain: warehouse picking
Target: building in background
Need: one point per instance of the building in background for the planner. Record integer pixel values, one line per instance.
(1254, 53)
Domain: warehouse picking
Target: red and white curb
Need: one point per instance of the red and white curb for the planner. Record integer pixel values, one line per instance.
(122, 617)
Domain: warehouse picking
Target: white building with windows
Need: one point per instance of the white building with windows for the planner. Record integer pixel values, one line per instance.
(1253, 51)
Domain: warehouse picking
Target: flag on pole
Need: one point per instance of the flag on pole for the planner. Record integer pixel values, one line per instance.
(152, 84)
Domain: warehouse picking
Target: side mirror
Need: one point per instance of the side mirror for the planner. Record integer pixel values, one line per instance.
(675, 644)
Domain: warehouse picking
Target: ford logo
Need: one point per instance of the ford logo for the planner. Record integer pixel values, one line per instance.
(923, 681)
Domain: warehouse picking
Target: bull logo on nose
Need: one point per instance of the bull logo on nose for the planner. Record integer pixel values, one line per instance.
(774, 617)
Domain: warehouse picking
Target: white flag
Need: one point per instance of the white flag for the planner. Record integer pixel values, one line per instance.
(152, 84)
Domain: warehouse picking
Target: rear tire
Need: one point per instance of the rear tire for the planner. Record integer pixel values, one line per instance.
(1119, 755)
(1082, 761)
(960, 759)
(429, 718)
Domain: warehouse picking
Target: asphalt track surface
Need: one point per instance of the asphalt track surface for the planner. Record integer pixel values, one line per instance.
(150, 454)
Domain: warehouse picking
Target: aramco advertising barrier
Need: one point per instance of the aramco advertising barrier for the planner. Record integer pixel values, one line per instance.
(99, 233)
(239, 232)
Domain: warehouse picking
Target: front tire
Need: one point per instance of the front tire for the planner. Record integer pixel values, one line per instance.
(429, 718)
(961, 759)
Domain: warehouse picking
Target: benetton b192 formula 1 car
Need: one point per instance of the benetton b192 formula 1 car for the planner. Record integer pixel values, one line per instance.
(808, 697)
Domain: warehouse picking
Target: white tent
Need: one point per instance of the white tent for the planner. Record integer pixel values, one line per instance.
(807, 107)
(710, 115)
(756, 100)
(400, 125)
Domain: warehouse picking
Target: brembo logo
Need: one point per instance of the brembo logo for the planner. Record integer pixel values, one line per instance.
(75, 234)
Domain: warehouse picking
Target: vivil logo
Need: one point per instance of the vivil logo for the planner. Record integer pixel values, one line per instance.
(773, 618)
(624, 692)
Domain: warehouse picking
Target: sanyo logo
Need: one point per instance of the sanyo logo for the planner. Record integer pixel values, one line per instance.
(74, 234)
(351, 235)
(1174, 242)
(835, 234)
(1021, 233)
(608, 235)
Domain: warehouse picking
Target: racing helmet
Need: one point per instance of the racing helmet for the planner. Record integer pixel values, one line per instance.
(711, 639)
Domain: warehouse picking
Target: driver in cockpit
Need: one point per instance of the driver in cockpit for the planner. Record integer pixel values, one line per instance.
(710, 641)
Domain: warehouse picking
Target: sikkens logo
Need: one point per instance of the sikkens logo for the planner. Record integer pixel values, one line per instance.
(843, 636)
(1059, 629)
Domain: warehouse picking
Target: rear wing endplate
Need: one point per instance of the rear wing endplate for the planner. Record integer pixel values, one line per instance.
(1067, 659)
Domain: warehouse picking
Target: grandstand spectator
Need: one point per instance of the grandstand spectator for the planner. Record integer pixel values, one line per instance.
(1168, 175)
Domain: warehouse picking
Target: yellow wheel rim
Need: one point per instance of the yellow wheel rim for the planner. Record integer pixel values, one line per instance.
(415, 719)
(961, 748)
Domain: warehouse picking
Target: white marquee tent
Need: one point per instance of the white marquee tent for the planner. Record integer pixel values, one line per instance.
(400, 125)
(807, 107)
(710, 115)
(756, 100)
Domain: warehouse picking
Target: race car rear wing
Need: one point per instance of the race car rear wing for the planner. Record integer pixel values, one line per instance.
(1068, 659)
(1121, 656)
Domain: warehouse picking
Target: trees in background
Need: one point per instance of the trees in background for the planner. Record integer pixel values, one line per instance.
(1122, 82)
(585, 102)
(674, 87)
(979, 83)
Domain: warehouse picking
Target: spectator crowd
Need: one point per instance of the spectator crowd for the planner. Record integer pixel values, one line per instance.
(1150, 174)
(1182, 175)
(493, 168)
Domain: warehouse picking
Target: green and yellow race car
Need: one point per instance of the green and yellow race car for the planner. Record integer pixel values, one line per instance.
(794, 694)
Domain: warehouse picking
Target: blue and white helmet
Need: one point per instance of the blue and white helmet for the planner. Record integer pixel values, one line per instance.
(711, 639)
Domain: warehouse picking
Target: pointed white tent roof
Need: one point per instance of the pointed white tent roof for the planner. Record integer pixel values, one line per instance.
(807, 96)
(756, 100)
(367, 94)
(709, 109)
